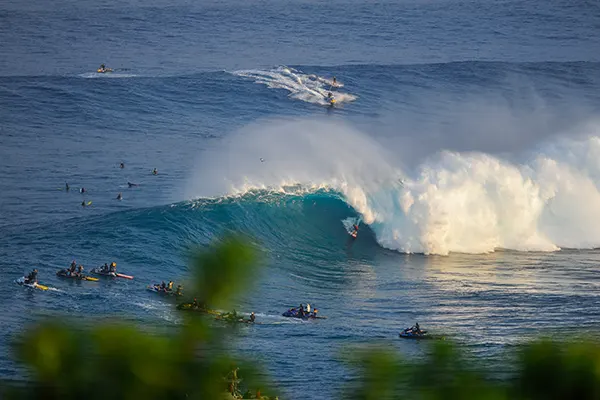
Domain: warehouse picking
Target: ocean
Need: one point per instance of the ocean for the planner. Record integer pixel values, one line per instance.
(465, 141)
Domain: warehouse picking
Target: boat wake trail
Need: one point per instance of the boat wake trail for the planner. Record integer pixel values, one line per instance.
(305, 87)
(451, 202)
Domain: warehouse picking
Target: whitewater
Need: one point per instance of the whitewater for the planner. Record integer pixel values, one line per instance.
(539, 200)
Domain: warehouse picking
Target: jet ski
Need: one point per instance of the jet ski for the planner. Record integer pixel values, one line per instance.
(104, 70)
(197, 308)
(103, 272)
(63, 273)
(295, 313)
(157, 289)
(413, 333)
(23, 282)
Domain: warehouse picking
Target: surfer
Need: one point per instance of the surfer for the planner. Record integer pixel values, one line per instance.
(355, 231)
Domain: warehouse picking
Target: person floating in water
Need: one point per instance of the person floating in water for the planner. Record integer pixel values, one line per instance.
(122, 165)
(132, 184)
(82, 190)
(154, 171)
(67, 186)
(83, 203)
(119, 196)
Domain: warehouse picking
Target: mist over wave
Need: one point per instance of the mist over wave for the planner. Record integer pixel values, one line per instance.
(450, 202)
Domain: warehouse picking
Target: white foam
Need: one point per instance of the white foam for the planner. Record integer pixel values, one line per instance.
(451, 202)
(308, 88)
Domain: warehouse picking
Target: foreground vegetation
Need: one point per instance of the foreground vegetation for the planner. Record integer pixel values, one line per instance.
(119, 361)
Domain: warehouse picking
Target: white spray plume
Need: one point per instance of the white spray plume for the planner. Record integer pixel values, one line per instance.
(452, 202)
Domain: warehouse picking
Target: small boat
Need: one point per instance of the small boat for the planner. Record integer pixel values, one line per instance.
(34, 285)
(63, 273)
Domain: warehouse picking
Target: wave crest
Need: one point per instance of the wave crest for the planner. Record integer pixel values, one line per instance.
(451, 202)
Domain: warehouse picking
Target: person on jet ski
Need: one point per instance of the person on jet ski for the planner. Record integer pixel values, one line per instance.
(32, 277)
(179, 290)
(334, 81)
(170, 286)
(194, 303)
(163, 286)
(307, 309)
(301, 310)
(252, 317)
(113, 267)
(416, 329)
(72, 268)
(329, 96)
(80, 270)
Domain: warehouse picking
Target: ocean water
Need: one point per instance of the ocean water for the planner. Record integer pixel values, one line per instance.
(465, 139)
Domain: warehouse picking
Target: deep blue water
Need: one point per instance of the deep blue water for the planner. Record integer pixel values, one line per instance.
(466, 138)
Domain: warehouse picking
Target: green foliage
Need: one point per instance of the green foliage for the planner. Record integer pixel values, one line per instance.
(118, 361)
(546, 370)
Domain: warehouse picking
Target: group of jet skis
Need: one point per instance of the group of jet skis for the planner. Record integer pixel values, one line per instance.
(74, 272)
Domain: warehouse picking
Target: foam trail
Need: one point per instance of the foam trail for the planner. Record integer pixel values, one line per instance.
(308, 88)
(452, 202)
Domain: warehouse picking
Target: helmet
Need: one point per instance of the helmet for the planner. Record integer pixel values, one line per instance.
(114, 264)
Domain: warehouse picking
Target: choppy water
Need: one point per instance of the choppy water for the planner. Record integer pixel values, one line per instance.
(466, 134)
